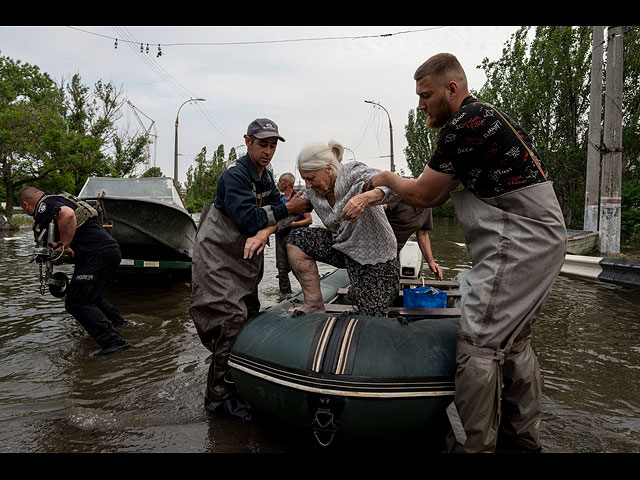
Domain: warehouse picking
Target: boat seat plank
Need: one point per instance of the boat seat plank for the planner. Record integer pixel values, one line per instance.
(401, 311)
(424, 312)
(450, 293)
(442, 284)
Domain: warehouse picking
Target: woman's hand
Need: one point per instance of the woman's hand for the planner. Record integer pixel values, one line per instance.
(357, 204)
(355, 207)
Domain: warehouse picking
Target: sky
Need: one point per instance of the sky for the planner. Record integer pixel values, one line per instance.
(312, 81)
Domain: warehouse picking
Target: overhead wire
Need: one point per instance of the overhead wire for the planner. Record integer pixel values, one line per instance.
(125, 36)
(257, 42)
(363, 130)
(158, 70)
(373, 121)
(181, 90)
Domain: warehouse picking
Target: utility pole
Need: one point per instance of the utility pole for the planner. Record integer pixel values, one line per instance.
(592, 189)
(611, 186)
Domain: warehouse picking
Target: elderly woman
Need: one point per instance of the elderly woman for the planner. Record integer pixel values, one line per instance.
(357, 237)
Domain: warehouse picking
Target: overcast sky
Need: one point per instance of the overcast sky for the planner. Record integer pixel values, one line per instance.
(312, 81)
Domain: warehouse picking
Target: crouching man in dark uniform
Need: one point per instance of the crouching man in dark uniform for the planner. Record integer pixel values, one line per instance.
(95, 254)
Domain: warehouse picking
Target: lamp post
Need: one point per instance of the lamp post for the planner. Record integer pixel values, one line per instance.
(393, 167)
(175, 153)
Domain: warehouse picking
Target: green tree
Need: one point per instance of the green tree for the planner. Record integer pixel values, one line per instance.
(128, 154)
(202, 179)
(54, 136)
(631, 213)
(32, 126)
(631, 106)
(421, 142)
(153, 172)
(100, 149)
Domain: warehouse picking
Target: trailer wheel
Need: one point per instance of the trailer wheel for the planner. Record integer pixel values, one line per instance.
(60, 288)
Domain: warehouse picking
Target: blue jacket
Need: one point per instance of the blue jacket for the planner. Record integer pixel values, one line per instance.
(249, 201)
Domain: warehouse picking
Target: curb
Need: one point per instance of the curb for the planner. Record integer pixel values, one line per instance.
(624, 272)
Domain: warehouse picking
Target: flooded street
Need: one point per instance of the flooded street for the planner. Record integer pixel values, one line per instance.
(55, 397)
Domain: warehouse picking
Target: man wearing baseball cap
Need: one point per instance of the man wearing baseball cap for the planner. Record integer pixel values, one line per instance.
(228, 263)
(263, 128)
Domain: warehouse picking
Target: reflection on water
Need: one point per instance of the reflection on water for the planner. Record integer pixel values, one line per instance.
(588, 345)
(54, 397)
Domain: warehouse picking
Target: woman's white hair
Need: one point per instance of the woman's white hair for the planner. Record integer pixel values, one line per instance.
(316, 156)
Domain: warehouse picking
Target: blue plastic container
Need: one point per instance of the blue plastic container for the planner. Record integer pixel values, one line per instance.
(424, 297)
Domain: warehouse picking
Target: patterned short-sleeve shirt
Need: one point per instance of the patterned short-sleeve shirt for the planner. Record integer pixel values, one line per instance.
(481, 149)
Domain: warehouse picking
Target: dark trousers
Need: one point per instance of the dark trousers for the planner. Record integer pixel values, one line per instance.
(84, 296)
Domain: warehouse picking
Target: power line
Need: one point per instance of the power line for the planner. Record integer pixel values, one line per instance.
(363, 130)
(170, 80)
(139, 48)
(252, 42)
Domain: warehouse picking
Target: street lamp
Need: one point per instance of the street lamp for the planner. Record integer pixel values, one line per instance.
(175, 159)
(393, 167)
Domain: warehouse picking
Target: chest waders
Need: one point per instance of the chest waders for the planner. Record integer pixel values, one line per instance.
(517, 244)
(224, 294)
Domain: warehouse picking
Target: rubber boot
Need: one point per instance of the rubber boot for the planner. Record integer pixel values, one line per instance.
(234, 409)
(285, 284)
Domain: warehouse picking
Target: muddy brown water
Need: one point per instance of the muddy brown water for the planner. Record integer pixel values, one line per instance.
(55, 397)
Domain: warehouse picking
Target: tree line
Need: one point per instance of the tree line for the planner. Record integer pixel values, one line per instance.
(543, 81)
(54, 135)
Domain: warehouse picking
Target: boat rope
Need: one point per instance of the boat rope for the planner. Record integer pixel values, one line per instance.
(325, 418)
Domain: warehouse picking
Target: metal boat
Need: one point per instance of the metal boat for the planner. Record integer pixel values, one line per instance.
(145, 215)
(582, 242)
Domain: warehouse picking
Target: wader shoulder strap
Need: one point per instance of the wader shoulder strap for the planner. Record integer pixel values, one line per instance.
(533, 157)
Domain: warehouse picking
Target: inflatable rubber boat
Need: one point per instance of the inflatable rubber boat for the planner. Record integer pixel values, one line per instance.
(349, 376)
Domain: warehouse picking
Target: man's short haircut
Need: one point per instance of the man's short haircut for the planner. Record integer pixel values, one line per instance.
(289, 178)
(442, 68)
(29, 194)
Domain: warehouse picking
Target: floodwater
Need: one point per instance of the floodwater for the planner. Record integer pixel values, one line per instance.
(56, 398)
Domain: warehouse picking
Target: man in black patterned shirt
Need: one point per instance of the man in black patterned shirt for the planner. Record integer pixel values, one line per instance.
(488, 151)
(516, 237)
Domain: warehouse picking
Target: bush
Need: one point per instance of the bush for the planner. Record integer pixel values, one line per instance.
(630, 217)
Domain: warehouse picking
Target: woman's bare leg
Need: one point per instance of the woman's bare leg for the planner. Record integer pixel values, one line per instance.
(306, 271)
